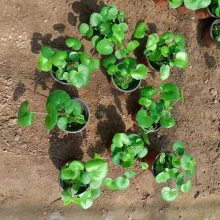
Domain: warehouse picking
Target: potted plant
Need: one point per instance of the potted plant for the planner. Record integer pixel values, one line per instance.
(126, 74)
(177, 166)
(107, 29)
(214, 8)
(71, 67)
(70, 115)
(166, 51)
(189, 4)
(81, 182)
(157, 105)
(211, 34)
(125, 151)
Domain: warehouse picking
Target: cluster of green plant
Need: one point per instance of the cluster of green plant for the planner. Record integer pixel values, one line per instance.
(83, 181)
(107, 29)
(174, 166)
(166, 51)
(216, 32)
(126, 149)
(123, 68)
(61, 111)
(190, 4)
(214, 8)
(71, 66)
(156, 106)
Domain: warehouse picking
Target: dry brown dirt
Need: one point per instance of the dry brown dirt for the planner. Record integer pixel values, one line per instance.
(29, 158)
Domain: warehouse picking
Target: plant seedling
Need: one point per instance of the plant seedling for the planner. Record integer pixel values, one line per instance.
(156, 107)
(125, 151)
(214, 8)
(190, 4)
(67, 114)
(70, 66)
(107, 29)
(216, 33)
(123, 68)
(83, 181)
(176, 166)
(166, 51)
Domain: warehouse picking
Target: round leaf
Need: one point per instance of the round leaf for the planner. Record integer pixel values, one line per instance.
(121, 183)
(47, 52)
(143, 119)
(167, 121)
(140, 72)
(164, 72)
(62, 123)
(179, 147)
(181, 59)
(95, 19)
(44, 64)
(186, 187)
(169, 195)
(73, 43)
(170, 92)
(25, 117)
(140, 30)
(105, 47)
(51, 118)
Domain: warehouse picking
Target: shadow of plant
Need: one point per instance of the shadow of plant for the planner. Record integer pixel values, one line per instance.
(110, 122)
(66, 148)
(19, 91)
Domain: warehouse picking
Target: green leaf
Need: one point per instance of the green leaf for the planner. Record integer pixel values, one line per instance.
(140, 30)
(144, 166)
(113, 12)
(186, 187)
(44, 64)
(143, 119)
(109, 61)
(95, 40)
(140, 72)
(175, 3)
(170, 92)
(162, 177)
(94, 65)
(105, 47)
(196, 4)
(74, 56)
(152, 41)
(51, 118)
(112, 70)
(121, 139)
(145, 137)
(25, 116)
(132, 45)
(81, 78)
(164, 72)
(95, 19)
(181, 59)
(148, 92)
(118, 33)
(84, 58)
(76, 165)
(66, 197)
(169, 195)
(94, 165)
(73, 43)
(186, 161)
(122, 183)
(62, 123)
(84, 29)
(95, 183)
(67, 174)
(47, 52)
(95, 193)
(130, 174)
(110, 184)
(143, 153)
(86, 203)
(73, 107)
(167, 121)
(86, 178)
(179, 147)
(120, 54)
(58, 98)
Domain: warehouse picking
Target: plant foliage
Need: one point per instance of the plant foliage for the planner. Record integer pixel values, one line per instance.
(190, 4)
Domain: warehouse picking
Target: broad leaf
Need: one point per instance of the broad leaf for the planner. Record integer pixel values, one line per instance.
(169, 195)
(51, 118)
(105, 47)
(25, 116)
(140, 30)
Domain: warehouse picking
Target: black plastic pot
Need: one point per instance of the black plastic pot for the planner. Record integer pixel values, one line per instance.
(65, 186)
(154, 68)
(57, 80)
(209, 11)
(133, 87)
(217, 21)
(76, 128)
(157, 158)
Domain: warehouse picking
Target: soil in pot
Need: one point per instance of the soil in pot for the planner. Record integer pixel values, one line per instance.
(134, 85)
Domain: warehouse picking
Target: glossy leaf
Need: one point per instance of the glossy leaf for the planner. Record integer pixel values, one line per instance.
(51, 118)
(169, 195)
(25, 116)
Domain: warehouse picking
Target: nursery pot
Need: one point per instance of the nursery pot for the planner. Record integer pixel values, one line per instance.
(134, 86)
(65, 185)
(182, 10)
(78, 127)
(209, 11)
(151, 66)
(208, 34)
(57, 80)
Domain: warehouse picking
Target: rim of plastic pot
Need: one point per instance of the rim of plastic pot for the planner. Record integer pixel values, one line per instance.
(133, 88)
(86, 108)
(217, 21)
(57, 80)
(209, 11)
(152, 168)
(64, 185)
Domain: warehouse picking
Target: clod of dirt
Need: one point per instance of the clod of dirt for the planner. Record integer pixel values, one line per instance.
(196, 195)
(213, 92)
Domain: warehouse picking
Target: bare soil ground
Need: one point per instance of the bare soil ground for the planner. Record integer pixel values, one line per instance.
(30, 158)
